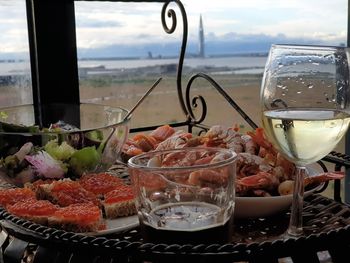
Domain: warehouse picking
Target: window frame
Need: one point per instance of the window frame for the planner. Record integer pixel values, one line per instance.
(52, 24)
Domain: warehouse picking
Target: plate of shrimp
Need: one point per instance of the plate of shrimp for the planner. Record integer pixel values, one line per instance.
(280, 201)
(264, 178)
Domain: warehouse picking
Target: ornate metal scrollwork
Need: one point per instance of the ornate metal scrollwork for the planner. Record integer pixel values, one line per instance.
(171, 14)
(222, 92)
(188, 104)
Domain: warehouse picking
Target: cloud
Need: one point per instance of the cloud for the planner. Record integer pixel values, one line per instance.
(304, 27)
(103, 24)
(81, 23)
(292, 17)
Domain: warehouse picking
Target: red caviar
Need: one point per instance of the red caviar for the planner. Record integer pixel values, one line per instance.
(122, 193)
(14, 195)
(100, 183)
(82, 214)
(33, 207)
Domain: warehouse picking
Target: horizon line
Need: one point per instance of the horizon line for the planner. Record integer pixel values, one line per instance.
(188, 55)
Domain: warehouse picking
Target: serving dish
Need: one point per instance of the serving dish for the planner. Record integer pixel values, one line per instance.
(117, 225)
(245, 207)
(254, 207)
(59, 140)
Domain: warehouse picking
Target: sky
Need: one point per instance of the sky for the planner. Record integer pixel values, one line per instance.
(103, 26)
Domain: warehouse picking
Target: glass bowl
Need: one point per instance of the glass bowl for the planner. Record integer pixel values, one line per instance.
(59, 140)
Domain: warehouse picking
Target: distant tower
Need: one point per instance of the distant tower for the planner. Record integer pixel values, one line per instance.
(201, 53)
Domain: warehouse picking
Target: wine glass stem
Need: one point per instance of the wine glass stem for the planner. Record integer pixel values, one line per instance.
(296, 220)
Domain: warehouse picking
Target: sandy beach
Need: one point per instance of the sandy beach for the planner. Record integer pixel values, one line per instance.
(163, 106)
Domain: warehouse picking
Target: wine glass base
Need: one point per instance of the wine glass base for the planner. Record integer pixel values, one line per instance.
(294, 231)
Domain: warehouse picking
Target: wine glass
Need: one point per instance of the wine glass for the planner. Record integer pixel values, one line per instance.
(305, 108)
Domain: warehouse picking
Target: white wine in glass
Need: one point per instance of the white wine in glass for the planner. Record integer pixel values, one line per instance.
(305, 108)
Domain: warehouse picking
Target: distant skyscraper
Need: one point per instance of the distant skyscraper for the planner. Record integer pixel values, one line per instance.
(201, 53)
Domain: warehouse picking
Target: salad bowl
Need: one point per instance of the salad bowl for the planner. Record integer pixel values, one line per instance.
(59, 140)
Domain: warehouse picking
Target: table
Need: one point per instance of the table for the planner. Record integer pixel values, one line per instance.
(326, 224)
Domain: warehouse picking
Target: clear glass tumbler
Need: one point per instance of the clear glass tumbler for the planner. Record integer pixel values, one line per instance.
(186, 195)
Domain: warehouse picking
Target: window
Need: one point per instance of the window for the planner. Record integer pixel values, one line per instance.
(15, 75)
(119, 60)
(122, 49)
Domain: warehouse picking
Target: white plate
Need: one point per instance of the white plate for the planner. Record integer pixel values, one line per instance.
(117, 225)
(253, 207)
(245, 207)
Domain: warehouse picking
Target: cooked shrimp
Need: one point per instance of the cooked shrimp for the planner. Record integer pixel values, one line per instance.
(249, 164)
(179, 159)
(177, 140)
(323, 177)
(208, 178)
(145, 142)
(259, 137)
(286, 187)
(162, 132)
(261, 180)
(250, 146)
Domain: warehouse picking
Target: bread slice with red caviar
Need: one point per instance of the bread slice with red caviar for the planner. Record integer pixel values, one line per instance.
(100, 184)
(119, 202)
(37, 211)
(77, 206)
(14, 195)
(34, 186)
(66, 192)
(80, 218)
